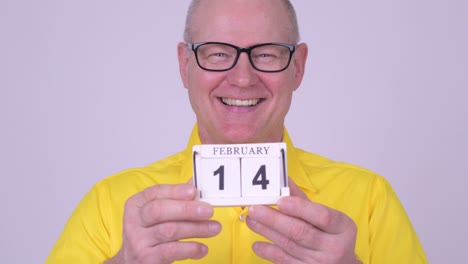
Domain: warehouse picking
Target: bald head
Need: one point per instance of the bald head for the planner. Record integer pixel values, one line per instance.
(293, 27)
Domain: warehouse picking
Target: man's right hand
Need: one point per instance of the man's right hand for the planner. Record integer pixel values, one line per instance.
(156, 219)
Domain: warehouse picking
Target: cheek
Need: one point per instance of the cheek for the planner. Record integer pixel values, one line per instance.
(281, 90)
(281, 86)
(200, 81)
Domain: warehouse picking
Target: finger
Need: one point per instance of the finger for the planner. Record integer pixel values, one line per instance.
(173, 251)
(286, 244)
(295, 190)
(173, 231)
(295, 236)
(273, 253)
(156, 192)
(165, 191)
(318, 215)
(160, 211)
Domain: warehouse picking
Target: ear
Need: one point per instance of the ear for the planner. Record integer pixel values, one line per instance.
(299, 62)
(183, 57)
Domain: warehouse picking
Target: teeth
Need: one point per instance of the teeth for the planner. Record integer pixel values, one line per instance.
(236, 102)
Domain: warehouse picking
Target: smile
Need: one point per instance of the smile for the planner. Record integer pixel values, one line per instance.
(237, 102)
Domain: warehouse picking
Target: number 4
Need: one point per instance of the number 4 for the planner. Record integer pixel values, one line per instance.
(260, 178)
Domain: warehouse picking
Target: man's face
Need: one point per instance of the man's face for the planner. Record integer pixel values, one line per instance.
(219, 98)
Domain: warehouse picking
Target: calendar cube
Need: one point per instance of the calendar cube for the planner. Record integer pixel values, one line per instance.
(220, 178)
(260, 177)
(240, 174)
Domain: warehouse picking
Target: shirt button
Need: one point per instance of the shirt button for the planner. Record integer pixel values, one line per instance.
(242, 217)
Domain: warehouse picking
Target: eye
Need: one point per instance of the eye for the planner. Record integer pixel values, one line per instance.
(219, 57)
(219, 54)
(265, 55)
(216, 53)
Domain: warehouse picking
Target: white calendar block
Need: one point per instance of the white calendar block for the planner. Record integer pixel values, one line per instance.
(240, 174)
(220, 177)
(261, 177)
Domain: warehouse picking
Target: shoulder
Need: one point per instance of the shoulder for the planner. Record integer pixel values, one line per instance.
(133, 180)
(337, 181)
(314, 165)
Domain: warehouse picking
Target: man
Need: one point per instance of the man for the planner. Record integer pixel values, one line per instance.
(241, 63)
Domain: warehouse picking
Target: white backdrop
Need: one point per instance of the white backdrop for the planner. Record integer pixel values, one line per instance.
(89, 88)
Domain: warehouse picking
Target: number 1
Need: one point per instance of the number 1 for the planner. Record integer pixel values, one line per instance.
(220, 172)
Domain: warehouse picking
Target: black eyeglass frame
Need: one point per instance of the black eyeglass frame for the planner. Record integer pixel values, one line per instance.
(194, 47)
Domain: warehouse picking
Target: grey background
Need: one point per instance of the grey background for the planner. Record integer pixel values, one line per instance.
(89, 88)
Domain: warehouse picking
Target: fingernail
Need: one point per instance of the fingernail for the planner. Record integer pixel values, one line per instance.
(189, 191)
(256, 211)
(255, 246)
(203, 249)
(284, 203)
(214, 227)
(251, 222)
(205, 211)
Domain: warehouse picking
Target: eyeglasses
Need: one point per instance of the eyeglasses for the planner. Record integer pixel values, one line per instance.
(219, 56)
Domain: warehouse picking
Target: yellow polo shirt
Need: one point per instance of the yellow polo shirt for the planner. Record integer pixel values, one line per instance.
(93, 233)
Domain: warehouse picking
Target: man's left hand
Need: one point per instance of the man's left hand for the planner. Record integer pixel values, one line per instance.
(302, 231)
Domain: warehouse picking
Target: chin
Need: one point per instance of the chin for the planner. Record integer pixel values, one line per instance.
(241, 135)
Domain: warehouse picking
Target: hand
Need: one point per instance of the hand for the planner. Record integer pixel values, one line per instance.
(302, 231)
(157, 218)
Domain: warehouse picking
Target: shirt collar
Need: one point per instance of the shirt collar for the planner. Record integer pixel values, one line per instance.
(295, 169)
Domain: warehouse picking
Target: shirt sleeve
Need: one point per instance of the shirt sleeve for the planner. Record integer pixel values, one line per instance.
(392, 236)
(85, 238)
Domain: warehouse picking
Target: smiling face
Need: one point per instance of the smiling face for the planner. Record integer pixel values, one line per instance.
(241, 105)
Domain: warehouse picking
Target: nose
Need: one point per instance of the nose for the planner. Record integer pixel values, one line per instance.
(243, 74)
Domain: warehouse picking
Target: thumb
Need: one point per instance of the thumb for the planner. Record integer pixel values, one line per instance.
(294, 190)
(190, 181)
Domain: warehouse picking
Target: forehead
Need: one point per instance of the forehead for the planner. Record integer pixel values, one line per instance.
(241, 22)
